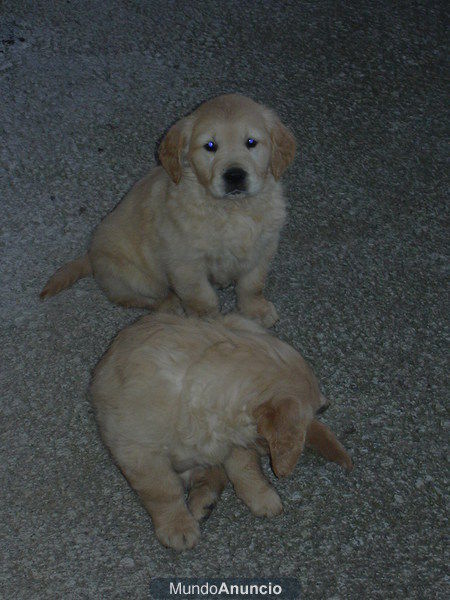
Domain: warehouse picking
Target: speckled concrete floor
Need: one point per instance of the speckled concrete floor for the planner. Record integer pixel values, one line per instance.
(87, 88)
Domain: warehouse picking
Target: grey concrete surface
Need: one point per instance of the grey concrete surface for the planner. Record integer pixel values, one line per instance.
(87, 88)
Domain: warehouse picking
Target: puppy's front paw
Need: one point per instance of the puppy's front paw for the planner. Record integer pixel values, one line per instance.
(260, 310)
(180, 531)
(171, 305)
(265, 504)
(200, 309)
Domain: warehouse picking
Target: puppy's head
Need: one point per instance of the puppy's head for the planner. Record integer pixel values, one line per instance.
(283, 424)
(231, 144)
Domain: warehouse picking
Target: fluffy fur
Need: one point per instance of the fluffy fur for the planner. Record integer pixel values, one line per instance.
(182, 229)
(184, 401)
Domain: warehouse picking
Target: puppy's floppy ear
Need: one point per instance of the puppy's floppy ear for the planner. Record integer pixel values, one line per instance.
(172, 147)
(280, 423)
(283, 147)
(320, 437)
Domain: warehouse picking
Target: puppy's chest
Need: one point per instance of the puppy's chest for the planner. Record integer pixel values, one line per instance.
(234, 245)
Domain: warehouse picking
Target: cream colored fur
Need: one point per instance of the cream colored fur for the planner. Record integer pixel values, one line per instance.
(178, 232)
(179, 398)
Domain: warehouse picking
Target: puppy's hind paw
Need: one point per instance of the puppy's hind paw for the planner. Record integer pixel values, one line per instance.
(206, 491)
(181, 532)
(200, 511)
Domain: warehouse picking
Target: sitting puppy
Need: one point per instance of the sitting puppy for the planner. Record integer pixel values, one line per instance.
(211, 214)
(190, 401)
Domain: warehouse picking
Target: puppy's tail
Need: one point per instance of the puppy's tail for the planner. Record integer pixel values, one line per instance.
(66, 276)
(322, 439)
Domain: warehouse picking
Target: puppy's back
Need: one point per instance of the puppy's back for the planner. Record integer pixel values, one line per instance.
(164, 369)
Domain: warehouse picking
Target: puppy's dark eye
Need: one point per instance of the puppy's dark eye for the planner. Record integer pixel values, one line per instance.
(251, 143)
(210, 146)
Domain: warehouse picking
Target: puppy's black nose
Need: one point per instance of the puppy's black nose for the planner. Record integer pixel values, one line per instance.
(235, 175)
(235, 180)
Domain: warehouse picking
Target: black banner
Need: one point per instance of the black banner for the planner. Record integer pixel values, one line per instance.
(231, 588)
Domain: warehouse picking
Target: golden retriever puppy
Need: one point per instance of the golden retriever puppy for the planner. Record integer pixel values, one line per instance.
(187, 403)
(212, 213)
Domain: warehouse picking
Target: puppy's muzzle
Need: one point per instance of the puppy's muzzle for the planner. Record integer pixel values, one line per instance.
(235, 180)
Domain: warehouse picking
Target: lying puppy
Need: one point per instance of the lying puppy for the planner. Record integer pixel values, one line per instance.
(190, 401)
(211, 214)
